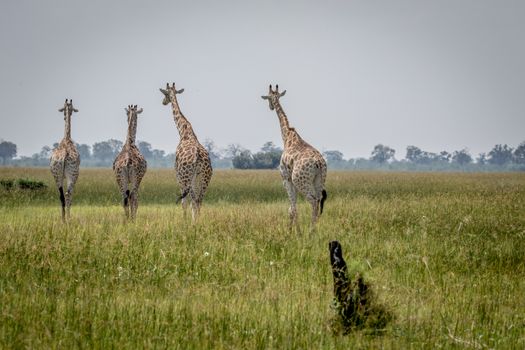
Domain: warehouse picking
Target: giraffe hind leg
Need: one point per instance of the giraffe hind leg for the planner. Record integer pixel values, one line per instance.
(133, 201)
(135, 180)
(195, 206)
(122, 182)
(71, 174)
(69, 194)
(196, 194)
(292, 211)
(57, 169)
(323, 198)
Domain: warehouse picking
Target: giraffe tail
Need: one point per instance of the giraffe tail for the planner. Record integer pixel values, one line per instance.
(325, 195)
(62, 198)
(126, 198)
(183, 195)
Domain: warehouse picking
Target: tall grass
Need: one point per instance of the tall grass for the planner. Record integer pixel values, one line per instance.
(445, 253)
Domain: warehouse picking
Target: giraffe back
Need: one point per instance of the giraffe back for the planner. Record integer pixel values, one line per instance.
(131, 158)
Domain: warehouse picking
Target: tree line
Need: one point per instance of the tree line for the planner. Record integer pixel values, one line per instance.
(101, 154)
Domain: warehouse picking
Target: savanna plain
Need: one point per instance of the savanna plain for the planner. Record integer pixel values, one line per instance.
(445, 253)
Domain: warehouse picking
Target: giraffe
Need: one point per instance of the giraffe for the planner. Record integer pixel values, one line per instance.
(192, 162)
(130, 166)
(302, 167)
(65, 161)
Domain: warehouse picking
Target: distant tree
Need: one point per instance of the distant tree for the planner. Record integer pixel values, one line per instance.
(382, 154)
(145, 148)
(333, 156)
(482, 159)
(416, 155)
(106, 151)
(413, 154)
(45, 152)
(269, 147)
(158, 154)
(268, 158)
(7, 151)
(243, 160)
(213, 152)
(262, 160)
(444, 156)
(519, 154)
(462, 157)
(500, 155)
(233, 150)
(84, 151)
(170, 158)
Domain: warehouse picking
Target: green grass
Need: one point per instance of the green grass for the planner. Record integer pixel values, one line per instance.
(445, 253)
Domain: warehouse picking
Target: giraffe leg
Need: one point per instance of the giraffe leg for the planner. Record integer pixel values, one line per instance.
(314, 202)
(196, 195)
(124, 191)
(185, 196)
(185, 174)
(193, 205)
(125, 197)
(292, 211)
(57, 169)
(134, 202)
(72, 177)
(69, 197)
(185, 199)
(185, 207)
(60, 186)
(134, 193)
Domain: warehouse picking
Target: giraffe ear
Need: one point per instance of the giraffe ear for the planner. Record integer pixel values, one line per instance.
(127, 110)
(75, 110)
(179, 91)
(264, 97)
(139, 111)
(282, 93)
(165, 92)
(61, 109)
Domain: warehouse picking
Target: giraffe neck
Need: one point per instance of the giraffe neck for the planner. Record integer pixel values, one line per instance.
(183, 125)
(132, 130)
(283, 120)
(67, 128)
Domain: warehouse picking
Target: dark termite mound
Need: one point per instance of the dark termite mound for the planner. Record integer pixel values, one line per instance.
(354, 300)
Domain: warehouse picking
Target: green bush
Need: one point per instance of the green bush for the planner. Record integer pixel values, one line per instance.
(27, 184)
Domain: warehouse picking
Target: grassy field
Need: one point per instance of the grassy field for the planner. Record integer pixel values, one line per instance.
(445, 253)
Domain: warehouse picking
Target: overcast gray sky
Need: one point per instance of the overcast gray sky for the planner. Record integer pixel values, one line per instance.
(440, 75)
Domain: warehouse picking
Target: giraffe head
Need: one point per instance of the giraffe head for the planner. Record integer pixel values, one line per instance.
(273, 96)
(132, 111)
(68, 108)
(169, 93)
